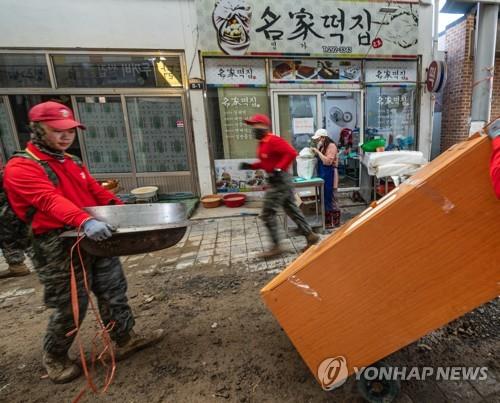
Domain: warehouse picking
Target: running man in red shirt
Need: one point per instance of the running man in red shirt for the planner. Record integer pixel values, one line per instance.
(48, 190)
(494, 132)
(275, 157)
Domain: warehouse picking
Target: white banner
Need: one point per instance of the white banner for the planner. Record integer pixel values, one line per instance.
(322, 27)
(221, 72)
(387, 71)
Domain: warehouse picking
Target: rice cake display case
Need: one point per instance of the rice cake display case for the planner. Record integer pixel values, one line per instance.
(424, 255)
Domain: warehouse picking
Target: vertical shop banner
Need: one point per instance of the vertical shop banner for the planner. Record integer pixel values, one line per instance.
(322, 27)
(220, 72)
(387, 71)
(234, 107)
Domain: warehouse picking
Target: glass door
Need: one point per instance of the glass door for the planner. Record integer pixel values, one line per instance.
(343, 120)
(297, 115)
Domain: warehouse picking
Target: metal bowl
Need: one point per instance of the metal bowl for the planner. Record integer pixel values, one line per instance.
(145, 192)
(140, 228)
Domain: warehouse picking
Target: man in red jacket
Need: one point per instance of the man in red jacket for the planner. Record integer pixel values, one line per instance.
(48, 189)
(494, 133)
(275, 157)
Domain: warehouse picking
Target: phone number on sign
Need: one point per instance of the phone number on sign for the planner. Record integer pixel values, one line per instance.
(337, 49)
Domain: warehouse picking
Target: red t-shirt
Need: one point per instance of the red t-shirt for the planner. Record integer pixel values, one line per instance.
(27, 184)
(495, 166)
(274, 153)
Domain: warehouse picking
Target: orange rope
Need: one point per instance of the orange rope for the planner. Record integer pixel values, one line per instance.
(480, 81)
(102, 333)
(492, 121)
(490, 71)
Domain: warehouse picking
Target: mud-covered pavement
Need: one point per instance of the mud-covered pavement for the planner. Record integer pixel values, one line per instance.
(222, 343)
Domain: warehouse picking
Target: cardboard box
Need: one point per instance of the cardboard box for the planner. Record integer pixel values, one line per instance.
(426, 254)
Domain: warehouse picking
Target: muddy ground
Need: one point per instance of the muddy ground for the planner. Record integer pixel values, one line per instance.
(224, 346)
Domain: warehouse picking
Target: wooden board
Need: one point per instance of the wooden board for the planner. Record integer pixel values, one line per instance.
(426, 254)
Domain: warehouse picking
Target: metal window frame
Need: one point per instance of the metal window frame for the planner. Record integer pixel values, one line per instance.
(189, 146)
(12, 122)
(122, 92)
(7, 51)
(82, 137)
(134, 173)
(80, 90)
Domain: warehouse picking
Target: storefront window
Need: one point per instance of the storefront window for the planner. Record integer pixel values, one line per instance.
(391, 114)
(319, 71)
(21, 104)
(232, 140)
(101, 70)
(106, 142)
(7, 143)
(23, 70)
(158, 134)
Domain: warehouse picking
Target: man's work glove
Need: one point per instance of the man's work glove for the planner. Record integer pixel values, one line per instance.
(493, 129)
(245, 166)
(97, 230)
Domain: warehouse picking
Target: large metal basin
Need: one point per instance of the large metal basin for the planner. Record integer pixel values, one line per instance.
(140, 228)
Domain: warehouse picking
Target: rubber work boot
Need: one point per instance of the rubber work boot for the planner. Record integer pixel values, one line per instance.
(336, 219)
(16, 270)
(274, 251)
(311, 239)
(134, 342)
(329, 218)
(60, 369)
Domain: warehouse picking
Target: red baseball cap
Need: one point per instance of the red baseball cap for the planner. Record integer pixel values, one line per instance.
(258, 118)
(55, 115)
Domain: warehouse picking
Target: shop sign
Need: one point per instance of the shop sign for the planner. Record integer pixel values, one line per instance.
(395, 101)
(388, 71)
(325, 27)
(436, 76)
(230, 72)
(196, 84)
(315, 70)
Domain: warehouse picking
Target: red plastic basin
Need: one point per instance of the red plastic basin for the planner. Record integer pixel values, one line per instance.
(234, 200)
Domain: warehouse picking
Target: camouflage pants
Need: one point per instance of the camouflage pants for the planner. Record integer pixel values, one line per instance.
(280, 195)
(12, 253)
(14, 239)
(105, 279)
